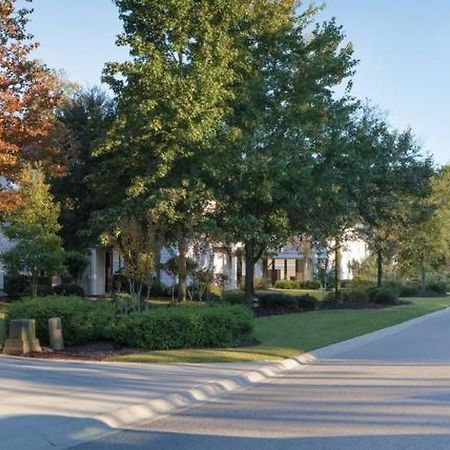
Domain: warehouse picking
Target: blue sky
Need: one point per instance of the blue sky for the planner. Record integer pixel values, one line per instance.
(403, 47)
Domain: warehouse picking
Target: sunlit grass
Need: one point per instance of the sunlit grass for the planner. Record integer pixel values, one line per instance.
(288, 335)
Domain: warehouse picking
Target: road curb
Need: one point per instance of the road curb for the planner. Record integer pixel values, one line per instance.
(135, 415)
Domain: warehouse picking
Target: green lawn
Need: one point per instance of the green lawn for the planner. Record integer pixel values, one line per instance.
(288, 335)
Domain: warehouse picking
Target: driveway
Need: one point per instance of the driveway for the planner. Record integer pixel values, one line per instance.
(390, 394)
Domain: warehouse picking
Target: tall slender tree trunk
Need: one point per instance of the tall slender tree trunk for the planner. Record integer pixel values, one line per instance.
(379, 267)
(423, 276)
(337, 268)
(249, 271)
(158, 264)
(182, 268)
(34, 286)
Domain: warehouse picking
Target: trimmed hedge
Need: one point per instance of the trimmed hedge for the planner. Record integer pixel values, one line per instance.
(294, 284)
(183, 327)
(383, 295)
(235, 297)
(86, 321)
(83, 320)
(437, 287)
(288, 302)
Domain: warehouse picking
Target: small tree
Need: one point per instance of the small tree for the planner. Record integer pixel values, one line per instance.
(75, 263)
(137, 240)
(36, 255)
(34, 226)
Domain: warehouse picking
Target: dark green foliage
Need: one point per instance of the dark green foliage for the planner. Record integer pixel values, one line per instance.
(44, 290)
(183, 327)
(235, 298)
(311, 284)
(16, 286)
(354, 295)
(383, 295)
(69, 289)
(437, 287)
(160, 290)
(86, 321)
(278, 301)
(409, 290)
(288, 302)
(76, 263)
(83, 321)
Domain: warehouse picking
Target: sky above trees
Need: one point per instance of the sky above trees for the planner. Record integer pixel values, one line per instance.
(403, 52)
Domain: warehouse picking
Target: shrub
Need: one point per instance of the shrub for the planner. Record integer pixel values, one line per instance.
(262, 283)
(16, 286)
(312, 284)
(44, 290)
(83, 320)
(409, 290)
(288, 302)
(284, 284)
(296, 284)
(383, 295)
(180, 327)
(235, 297)
(277, 300)
(75, 263)
(69, 290)
(307, 302)
(437, 287)
(355, 295)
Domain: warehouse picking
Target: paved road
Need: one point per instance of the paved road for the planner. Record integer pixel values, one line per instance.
(52, 404)
(391, 394)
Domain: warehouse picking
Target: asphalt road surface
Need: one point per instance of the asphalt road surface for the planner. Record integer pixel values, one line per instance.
(391, 394)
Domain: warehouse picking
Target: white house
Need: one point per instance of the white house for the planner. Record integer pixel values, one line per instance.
(287, 263)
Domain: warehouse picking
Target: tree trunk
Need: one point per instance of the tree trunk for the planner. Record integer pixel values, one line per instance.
(379, 268)
(423, 276)
(337, 268)
(34, 286)
(158, 265)
(182, 269)
(249, 271)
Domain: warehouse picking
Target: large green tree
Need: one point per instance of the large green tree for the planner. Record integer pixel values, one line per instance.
(337, 174)
(284, 100)
(81, 124)
(172, 98)
(424, 240)
(395, 173)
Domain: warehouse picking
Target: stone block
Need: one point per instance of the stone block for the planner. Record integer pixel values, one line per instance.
(22, 338)
(56, 333)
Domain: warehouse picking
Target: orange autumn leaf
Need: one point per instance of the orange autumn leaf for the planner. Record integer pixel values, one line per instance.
(29, 92)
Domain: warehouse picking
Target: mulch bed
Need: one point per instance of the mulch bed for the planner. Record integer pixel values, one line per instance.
(96, 351)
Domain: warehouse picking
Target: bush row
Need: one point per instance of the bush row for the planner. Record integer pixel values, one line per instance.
(86, 321)
(275, 300)
(294, 284)
(288, 302)
(20, 286)
(361, 294)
